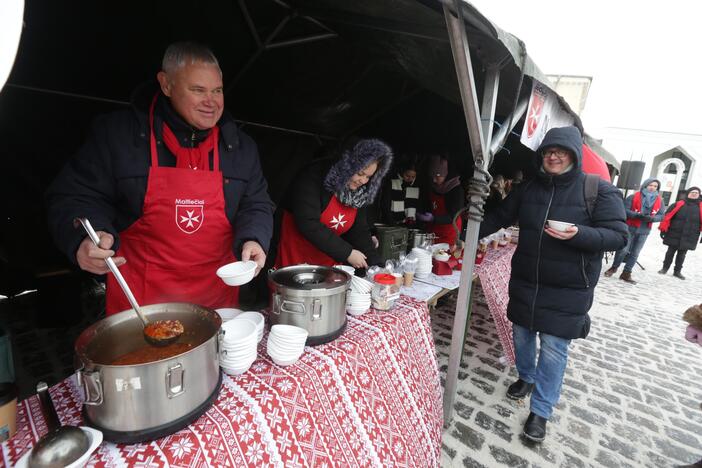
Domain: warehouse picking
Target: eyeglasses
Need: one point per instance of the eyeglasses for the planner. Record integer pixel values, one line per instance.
(560, 154)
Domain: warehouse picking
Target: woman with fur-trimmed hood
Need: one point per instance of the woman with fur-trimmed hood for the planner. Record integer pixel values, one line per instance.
(324, 218)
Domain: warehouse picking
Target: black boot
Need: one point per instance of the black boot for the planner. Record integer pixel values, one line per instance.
(663, 271)
(677, 274)
(519, 389)
(535, 428)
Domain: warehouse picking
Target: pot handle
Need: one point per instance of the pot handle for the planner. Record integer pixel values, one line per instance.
(175, 381)
(316, 309)
(92, 387)
(292, 307)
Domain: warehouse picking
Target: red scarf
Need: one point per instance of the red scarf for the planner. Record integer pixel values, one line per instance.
(197, 158)
(636, 206)
(665, 224)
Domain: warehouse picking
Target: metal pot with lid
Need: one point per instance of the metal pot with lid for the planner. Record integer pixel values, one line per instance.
(312, 297)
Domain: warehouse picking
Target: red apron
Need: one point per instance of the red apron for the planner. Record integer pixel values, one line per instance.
(444, 232)
(183, 236)
(294, 248)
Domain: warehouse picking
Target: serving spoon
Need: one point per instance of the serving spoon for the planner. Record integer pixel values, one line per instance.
(62, 445)
(157, 333)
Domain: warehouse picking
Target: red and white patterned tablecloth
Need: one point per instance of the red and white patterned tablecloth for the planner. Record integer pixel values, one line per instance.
(494, 273)
(371, 397)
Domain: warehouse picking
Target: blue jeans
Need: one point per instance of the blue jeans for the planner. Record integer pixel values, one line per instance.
(630, 253)
(547, 373)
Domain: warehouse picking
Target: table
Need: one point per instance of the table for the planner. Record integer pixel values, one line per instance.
(494, 273)
(372, 397)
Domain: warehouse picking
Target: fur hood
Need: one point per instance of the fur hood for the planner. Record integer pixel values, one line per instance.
(693, 316)
(353, 156)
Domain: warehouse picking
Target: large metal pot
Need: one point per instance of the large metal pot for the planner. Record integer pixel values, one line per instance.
(134, 403)
(312, 297)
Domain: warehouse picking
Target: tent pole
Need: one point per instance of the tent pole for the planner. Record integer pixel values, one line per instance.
(466, 85)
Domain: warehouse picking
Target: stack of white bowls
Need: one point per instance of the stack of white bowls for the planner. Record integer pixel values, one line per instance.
(286, 343)
(227, 313)
(237, 348)
(358, 297)
(424, 262)
(257, 319)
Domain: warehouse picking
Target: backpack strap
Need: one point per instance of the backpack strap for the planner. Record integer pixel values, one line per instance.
(590, 191)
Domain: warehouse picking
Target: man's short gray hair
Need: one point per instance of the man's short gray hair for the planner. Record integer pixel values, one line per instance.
(179, 54)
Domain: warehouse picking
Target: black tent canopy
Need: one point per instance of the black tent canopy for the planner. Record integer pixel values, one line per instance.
(297, 74)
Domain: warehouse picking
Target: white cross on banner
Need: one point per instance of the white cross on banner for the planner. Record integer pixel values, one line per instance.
(544, 113)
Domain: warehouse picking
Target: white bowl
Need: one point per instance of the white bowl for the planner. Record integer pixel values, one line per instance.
(94, 438)
(357, 312)
(237, 369)
(561, 226)
(286, 342)
(237, 273)
(227, 313)
(237, 331)
(289, 331)
(255, 317)
(347, 268)
(285, 362)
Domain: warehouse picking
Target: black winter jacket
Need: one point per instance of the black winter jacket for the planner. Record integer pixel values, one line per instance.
(684, 230)
(552, 284)
(106, 180)
(306, 200)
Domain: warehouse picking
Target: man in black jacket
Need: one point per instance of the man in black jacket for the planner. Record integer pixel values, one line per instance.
(171, 185)
(554, 272)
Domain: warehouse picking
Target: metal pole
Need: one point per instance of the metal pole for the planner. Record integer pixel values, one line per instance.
(466, 85)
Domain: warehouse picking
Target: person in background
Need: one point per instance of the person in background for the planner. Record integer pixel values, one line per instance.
(172, 186)
(324, 219)
(680, 230)
(400, 196)
(554, 273)
(498, 193)
(445, 199)
(643, 208)
(517, 178)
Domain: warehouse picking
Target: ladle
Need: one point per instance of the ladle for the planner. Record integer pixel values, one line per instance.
(168, 330)
(62, 445)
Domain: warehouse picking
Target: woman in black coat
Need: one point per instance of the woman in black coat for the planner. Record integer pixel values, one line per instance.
(324, 217)
(680, 230)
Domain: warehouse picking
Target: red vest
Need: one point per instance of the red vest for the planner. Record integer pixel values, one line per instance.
(444, 232)
(636, 206)
(294, 248)
(183, 236)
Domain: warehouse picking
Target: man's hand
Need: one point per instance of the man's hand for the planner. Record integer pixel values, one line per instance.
(662, 233)
(252, 250)
(91, 258)
(568, 234)
(356, 259)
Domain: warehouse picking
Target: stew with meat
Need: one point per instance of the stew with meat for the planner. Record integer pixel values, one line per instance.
(164, 329)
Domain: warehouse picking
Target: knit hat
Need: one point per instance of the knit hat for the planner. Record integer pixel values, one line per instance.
(693, 188)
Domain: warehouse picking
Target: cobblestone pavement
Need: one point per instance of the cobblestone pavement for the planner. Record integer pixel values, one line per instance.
(631, 394)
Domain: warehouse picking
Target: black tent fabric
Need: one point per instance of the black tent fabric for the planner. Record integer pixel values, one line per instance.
(298, 75)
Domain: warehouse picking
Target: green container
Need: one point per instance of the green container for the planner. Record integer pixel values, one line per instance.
(392, 241)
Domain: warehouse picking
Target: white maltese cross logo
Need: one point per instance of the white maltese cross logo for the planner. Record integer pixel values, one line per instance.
(337, 222)
(189, 218)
